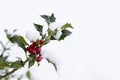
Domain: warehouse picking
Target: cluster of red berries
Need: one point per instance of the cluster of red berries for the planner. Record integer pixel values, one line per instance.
(35, 49)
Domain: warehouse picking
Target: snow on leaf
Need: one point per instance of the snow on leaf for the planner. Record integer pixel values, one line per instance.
(53, 59)
(32, 36)
(58, 34)
(54, 26)
(19, 40)
(65, 33)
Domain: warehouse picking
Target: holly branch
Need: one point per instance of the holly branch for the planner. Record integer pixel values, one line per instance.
(33, 48)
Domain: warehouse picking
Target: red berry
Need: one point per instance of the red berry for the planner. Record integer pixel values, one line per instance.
(38, 49)
(39, 58)
(34, 44)
(27, 48)
(41, 42)
(32, 51)
(31, 46)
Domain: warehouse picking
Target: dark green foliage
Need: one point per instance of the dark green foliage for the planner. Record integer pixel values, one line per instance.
(49, 19)
(19, 40)
(17, 64)
(3, 62)
(31, 62)
(65, 33)
(39, 28)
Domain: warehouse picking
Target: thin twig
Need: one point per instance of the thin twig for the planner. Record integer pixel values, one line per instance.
(7, 74)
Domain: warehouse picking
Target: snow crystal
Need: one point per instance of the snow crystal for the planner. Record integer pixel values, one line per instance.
(32, 36)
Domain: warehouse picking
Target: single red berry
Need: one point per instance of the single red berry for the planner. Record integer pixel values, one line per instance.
(27, 48)
(40, 42)
(38, 49)
(31, 46)
(34, 44)
(32, 51)
(39, 58)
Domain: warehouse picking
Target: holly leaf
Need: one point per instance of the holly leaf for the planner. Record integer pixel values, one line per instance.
(11, 38)
(52, 64)
(28, 74)
(3, 61)
(3, 58)
(46, 17)
(52, 18)
(3, 64)
(19, 40)
(17, 64)
(65, 33)
(53, 38)
(38, 27)
(31, 60)
(22, 40)
(49, 19)
(67, 25)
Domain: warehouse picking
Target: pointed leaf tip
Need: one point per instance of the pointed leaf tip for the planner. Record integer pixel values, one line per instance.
(38, 27)
(52, 64)
(67, 25)
(49, 19)
(65, 33)
(28, 74)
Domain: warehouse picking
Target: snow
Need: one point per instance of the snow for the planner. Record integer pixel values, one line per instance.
(54, 25)
(56, 59)
(92, 52)
(11, 32)
(58, 34)
(32, 36)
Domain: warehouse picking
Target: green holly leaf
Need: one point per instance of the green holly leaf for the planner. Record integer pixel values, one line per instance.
(19, 40)
(65, 33)
(22, 40)
(12, 39)
(49, 19)
(38, 27)
(3, 65)
(52, 18)
(46, 17)
(53, 38)
(52, 64)
(17, 64)
(32, 59)
(67, 25)
(28, 74)
(3, 62)
(3, 58)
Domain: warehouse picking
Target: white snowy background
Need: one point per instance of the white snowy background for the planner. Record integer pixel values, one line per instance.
(92, 52)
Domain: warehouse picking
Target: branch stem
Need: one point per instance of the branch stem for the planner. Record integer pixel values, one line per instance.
(7, 74)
